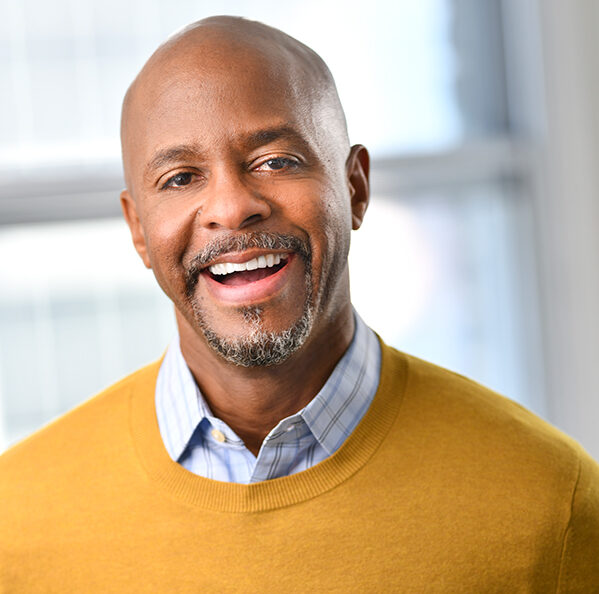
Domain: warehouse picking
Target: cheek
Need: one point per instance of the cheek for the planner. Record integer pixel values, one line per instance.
(167, 238)
(327, 221)
(334, 220)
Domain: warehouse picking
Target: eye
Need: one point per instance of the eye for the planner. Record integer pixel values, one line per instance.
(278, 164)
(177, 181)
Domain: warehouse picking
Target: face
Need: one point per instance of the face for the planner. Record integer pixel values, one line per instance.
(240, 204)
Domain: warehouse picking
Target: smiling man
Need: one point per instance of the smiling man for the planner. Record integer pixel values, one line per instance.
(242, 190)
(279, 444)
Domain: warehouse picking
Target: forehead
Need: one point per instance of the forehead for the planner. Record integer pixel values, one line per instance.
(225, 90)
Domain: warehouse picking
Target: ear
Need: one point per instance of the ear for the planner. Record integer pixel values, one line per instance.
(137, 233)
(358, 169)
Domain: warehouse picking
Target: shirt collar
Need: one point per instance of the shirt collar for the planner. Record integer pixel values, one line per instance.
(341, 403)
(331, 416)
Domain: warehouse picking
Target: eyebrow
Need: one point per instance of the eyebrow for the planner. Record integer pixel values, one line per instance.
(171, 155)
(261, 137)
(253, 140)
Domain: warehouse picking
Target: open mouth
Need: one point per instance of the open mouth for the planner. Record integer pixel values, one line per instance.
(241, 273)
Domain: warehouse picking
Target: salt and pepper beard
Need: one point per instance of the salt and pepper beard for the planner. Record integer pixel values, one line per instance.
(259, 347)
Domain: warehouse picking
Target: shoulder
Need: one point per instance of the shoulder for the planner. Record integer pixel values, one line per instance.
(498, 469)
(98, 426)
(472, 426)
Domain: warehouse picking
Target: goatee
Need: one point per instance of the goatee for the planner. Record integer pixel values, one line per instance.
(258, 347)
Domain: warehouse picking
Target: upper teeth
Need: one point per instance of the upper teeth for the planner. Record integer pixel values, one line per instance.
(260, 262)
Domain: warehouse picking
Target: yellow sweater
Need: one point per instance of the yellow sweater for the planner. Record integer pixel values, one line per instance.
(443, 487)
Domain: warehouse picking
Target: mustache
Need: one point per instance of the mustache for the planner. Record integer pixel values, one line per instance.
(239, 243)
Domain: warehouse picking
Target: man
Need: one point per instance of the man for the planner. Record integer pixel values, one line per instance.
(279, 444)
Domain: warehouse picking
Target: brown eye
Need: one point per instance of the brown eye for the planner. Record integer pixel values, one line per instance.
(278, 164)
(181, 179)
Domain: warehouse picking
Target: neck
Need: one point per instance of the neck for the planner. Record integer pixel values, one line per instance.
(253, 400)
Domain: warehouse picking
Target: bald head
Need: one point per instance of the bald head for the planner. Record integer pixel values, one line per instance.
(224, 47)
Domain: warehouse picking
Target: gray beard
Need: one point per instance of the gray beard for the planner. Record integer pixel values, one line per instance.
(259, 347)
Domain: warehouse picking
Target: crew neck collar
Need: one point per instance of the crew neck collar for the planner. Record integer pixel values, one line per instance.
(239, 498)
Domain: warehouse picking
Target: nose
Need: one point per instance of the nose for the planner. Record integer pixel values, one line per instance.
(232, 202)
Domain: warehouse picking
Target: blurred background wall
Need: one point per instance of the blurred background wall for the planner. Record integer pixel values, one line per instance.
(480, 250)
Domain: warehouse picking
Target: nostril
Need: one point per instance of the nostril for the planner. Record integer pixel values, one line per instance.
(224, 208)
(255, 218)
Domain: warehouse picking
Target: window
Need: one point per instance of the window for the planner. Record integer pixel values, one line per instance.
(443, 267)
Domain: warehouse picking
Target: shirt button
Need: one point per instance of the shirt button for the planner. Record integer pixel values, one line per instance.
(290, 428)
(218, 435)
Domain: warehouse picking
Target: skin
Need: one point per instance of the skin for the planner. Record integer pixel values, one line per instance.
(212, 89)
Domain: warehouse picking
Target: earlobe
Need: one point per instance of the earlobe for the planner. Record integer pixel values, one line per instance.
(358, 169)
(137, 234)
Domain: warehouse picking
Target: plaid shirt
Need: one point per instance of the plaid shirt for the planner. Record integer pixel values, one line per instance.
(207, 446)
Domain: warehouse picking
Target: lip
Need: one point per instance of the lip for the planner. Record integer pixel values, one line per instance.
(250, 293)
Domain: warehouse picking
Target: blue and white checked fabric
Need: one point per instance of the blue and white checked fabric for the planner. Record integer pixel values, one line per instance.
(207, 446)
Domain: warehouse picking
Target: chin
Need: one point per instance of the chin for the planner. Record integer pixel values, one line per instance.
(257, 345)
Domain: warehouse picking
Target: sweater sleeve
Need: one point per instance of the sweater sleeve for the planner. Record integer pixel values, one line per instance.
(579, 568)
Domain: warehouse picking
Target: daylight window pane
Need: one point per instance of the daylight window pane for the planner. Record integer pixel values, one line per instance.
(413, 76)
(445, 275)
(78, 310)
